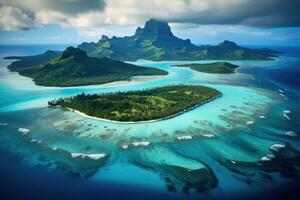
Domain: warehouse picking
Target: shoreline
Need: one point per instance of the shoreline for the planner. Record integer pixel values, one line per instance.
(132, 81)
(145, 121)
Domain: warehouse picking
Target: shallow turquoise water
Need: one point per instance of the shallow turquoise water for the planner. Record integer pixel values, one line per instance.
(229, 134)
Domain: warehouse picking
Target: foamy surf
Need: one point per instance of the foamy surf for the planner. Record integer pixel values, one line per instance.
(24, 131)
(291, 133)
(124, 146)
(36, 141)
(283, 96)
(145, 143)
(286, 116)
(277, 147)
(265, 158)
(250, 122)
(209, 135)
(91, 156)
(184, 137)
(268, 157)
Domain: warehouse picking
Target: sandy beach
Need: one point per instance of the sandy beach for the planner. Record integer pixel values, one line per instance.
(134, 80)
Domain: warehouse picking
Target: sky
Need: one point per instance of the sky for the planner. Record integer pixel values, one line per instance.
(249, 22)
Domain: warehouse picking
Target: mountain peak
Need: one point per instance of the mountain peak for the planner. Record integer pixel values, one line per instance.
(72, 51)
(228, 43)
(104, 37)
(154, 24)
(155, 27)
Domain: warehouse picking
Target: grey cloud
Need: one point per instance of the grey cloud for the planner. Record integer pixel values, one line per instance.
(96, 13)
(23, 14)
(73, 7)
(70, 7)
(254, 13)
(13, 19)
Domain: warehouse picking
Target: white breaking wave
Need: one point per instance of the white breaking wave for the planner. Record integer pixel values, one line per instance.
(265, 158)
(287, 111)
(36, 141)
(250, 122)
(286, 116)
(277, 147)
(281, 91)
(283, 96)
(91, 156)
(124, 146)
(262, 117)
(184, 137)
(209, 135)
(268, 157)
(145, 143)
(24, 131)
(291, 133)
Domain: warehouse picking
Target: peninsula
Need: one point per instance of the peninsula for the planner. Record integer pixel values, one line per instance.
(134, 106)
(212, 68)
(73, 67)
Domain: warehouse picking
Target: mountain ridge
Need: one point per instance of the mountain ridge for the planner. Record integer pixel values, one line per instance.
(155, 41)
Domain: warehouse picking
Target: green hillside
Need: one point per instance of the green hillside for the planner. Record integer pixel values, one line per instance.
(73, 68)
(213, 68)
(156, 42)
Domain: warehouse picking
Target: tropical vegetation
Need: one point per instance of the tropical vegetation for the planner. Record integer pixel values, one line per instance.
(150, 104)
(213, 68)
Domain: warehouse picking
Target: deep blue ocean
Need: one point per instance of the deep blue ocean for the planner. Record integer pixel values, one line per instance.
(30, 179)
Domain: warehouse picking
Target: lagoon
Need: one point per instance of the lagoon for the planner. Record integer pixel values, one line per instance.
(230, 157)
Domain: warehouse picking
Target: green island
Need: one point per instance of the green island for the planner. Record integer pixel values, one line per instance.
(213, 68)
(155, 41)
(151, 104)
(73, 67)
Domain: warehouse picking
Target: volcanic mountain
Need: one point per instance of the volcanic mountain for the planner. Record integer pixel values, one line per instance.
(155, 41)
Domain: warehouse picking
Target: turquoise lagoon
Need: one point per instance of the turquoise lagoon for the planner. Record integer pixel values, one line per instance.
(231, 150)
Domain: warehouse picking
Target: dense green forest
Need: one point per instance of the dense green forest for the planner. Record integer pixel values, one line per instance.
(213, 68)
(142, 105)
(73, 67)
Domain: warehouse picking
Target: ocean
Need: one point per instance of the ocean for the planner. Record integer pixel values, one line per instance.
(244, 145)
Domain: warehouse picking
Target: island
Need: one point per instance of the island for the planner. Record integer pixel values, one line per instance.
(155, 41)
(135, 106)
(213, 68)
(73, 67)
(103, 62)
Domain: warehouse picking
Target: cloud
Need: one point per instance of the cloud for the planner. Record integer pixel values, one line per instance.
(71, 13)
(253, 13)
(67, 7)
(98, 13)
(13, 19)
